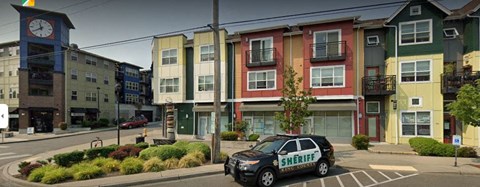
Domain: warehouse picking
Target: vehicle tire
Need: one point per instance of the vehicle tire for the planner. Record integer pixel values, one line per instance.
(266, 178)
(322, 168)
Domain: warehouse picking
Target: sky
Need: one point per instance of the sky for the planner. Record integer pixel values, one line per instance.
(104, 21)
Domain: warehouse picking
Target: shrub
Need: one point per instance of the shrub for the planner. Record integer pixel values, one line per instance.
(118, 155)
(26, 170)
(189, 161)
(56, 175)
(43, 162)
(360, 142)
(153, 165)
(199, 155)
(253, 137)
(86, 123)
(23, 164)
(223, 156)
(87, 171)
(131, 166)
(229, 135)
(467, 152)
(141, 145)
(181, 144)
(419, 143)
(171, 163)
(153, 145)
(443, 150)
(37, 174)
(163, 152)
(103, 122)
(108, 165)
(99, 152)
(68, 159)
(199, 146)
(131, 150)
(62, 125)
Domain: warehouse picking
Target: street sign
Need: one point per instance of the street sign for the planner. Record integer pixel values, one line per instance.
(457, 140)
(3, 116)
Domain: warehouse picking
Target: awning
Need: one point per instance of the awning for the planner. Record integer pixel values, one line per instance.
(345, 106)
(77, 110)
(92, 110)
(207, 108)
(12, 110)
(260, 107)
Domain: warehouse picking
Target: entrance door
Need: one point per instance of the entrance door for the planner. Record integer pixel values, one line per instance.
(202, 126)
(372, 73)
(373, 125)
(307, 128)
(249, 130)
(448, 128)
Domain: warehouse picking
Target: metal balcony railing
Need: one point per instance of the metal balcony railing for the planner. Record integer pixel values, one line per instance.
(330, 51)
(451, 83)
(379, 85)
(261, 57)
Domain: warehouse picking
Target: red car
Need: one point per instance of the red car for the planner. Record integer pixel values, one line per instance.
(135, 122)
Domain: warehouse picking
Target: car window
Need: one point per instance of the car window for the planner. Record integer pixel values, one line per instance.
(290, 147)
(269, 146)
(307, 144)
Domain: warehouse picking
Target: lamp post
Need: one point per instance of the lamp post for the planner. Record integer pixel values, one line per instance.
(118, 88)
(98, 103)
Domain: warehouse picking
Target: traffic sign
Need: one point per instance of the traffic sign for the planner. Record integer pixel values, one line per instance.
(457, 140)
(3, 116)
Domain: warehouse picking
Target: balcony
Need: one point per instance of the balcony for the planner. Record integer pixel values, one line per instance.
(330, 51)
(379, 85)
(261, 57)
(42, 60)
(42, 78)
(451, 83)
(119, 75)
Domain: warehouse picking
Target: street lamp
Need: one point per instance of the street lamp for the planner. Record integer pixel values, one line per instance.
(118, 88)
(98, 103)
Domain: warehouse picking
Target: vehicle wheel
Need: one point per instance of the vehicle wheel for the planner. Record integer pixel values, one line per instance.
(322, 168)
(129, 127)
(266, 178)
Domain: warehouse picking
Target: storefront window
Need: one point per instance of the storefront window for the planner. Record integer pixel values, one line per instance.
(333, 124)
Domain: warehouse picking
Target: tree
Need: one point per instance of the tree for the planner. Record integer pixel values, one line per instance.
(467, 106)
(295, 102)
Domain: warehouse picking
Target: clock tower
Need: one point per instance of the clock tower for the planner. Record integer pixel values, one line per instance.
(44, 36)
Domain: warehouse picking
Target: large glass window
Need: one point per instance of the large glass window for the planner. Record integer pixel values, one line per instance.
(206, 53)
(261, 80)
(416, 32)
(327, 43)
(169, 56)
(261, 50)
(333, 124)
(328, 76)
(205, 83)
(169, 85)
(416, 123)
(263, 123)
(416, 71)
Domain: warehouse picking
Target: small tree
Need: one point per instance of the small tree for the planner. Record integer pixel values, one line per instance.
(295, 102)
(467, 106)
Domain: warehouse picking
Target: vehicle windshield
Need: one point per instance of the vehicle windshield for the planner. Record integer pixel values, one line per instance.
(268, 146)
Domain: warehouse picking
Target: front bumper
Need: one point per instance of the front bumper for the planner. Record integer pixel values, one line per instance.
(248, 177)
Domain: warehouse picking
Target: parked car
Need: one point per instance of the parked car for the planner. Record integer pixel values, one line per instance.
(280, 156)
(134, 122)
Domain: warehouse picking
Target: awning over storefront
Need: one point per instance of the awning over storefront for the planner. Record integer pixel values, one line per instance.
(12, 110)
(260, 107)
(77, 110)
(207, 108)
(344, 106)
(92, 110)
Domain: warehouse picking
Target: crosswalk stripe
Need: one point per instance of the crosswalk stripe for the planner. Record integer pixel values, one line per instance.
(370, 177)
(5, 154)
(15, 156)
(385, 175)
(356, 180)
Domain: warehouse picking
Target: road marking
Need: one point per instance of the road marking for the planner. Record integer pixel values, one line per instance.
(385, 175)
(369, 177)
(3, 147)
(16, 156)
(356, 180)
(393, 168)
(399, 174)
(323, 182)
(305, 184)
(5, 154)
(340, 181)
(411, 175)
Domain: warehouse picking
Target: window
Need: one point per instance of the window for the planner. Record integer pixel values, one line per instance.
(105, 64)
(261, 50)
(131, 85)
(327, 76)
(1, 71)
(416, 32)
(105, 79)
(415, 102)
(91, 60)
(169, 56)
(131, 98)
(91, 77)
(74, 95)
(416, 123)
(205, 83)
(206, 53)
(373, 107)
(2, 50)
(14, 51)
(74, 74)
(132, 72)
(415, 10)
(1, 94)
(307, 144)
(261, 80)
(91, 96)
(105, 98)
(372, 40)
(169, 85)
(417, 71)
(450, 33)
(74, 56)
(13, 93)
(327, 43)
(291, 146)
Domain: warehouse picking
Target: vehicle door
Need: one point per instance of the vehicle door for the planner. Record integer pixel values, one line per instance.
(287, 157)
(309, 154)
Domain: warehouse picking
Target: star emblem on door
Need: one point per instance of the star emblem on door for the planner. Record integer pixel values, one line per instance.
(275, 162)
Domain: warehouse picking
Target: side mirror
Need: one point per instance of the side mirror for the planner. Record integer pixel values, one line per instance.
(283, 152)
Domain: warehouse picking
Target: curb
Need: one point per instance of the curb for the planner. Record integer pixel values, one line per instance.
(427, 172)
(61, 136)
(10, 179)
(392, 152)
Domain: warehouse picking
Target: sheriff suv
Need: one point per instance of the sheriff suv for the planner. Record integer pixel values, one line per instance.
(280, 156)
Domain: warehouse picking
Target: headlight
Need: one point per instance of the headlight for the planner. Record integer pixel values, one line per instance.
(245, 164)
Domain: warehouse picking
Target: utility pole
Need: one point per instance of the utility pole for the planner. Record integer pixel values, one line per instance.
(217, 85)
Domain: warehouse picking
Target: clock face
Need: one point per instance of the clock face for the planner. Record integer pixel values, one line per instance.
(40, 28)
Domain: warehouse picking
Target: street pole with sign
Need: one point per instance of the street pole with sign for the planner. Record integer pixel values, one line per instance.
(457, 141)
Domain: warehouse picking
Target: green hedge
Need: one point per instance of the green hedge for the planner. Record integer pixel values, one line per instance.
(431, 147)
(37, 174)
(99, 152)
(253, 137)
(229, 135)
(467, 152)
(131, 166)
(199, 146)
(163, 152)
(56, 175)
(142, 145)
(360, 142)
(68, 159)
(154, 165)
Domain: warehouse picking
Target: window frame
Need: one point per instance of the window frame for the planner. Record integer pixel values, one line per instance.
(266, 80)
(333, 76)
(200, 53)
(261, 48)
(377, 40)
(415, 72)
(169, 56)
(106, 79)
(314, 52)
(430, 32)
(74, 95)
(420, 102)
(74, 74)
(72, 55)
(173, 85)
(105, 98)
(204, 83)
(412, 8)
(416, 123)
(450, 36)
(370, 102)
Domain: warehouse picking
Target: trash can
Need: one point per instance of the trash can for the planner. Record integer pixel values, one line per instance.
(139, 139)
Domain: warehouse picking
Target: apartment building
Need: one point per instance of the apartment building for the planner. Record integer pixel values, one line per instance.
(9, 64)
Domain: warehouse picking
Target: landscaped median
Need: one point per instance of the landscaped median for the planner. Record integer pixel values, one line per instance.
(431, 147)
(115, 160)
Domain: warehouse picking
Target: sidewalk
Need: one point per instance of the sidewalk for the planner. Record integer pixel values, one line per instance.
(43, 136)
